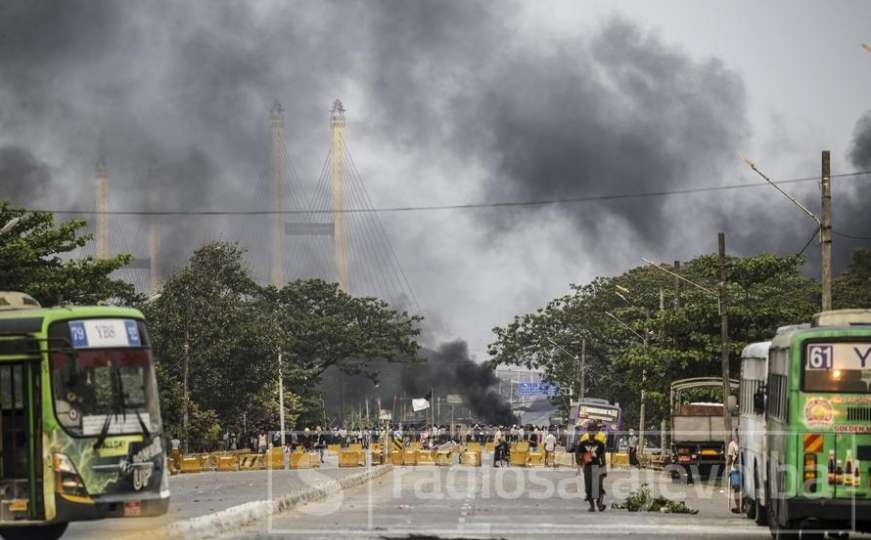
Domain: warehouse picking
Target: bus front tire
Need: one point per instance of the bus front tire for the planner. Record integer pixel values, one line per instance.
(38, 532)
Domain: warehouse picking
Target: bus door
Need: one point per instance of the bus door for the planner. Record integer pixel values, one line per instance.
(20, 442)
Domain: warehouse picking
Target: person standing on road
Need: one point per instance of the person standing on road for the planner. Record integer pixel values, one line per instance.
(733, 453)
(633, 448)
(550, 448)
(591, 457)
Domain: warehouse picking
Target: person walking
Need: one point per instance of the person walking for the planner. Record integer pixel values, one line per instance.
(733, 453)
(590, 455)
(550, 448)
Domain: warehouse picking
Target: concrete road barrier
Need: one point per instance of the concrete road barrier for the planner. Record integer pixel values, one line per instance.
(471, 458)
(518, 458)
(396, 457)
(444, 458)
(490, 447)
(228, 463)
(191, 465)
(304, 460)
(565, 459)
(352, 458)
(334, 448)
(425, 457)
(409, 456)
(473, 446)
(535, 459)
(619, 459)
(251, 462)
(275, 458)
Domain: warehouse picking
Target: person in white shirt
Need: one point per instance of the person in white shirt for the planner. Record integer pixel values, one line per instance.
(550, 448)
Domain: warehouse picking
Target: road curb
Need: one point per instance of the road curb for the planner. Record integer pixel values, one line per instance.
(218, 523)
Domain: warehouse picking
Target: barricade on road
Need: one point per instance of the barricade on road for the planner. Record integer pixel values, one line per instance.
(415, 445)
(409, 456)
(334, 448)
(304, 460)
(228, 463)
(535, 458)
(619, 459)
(191, 465)
(473, 446)
(444, 458)
(251, 462)
(174, 462)
(355, 446)
(396, 458)
(275, 458)
(518, 458)
(490, 447)
(471, 458)
(352, 458)
(520, 446)
(425, 457)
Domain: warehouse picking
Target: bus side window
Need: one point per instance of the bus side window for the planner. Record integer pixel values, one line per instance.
(759, 400)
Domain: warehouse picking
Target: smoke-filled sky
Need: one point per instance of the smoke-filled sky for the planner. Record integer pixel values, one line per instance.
(451, 102)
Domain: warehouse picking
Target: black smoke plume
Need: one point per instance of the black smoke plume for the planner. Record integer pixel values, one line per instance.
(23, 178)
(447, 370)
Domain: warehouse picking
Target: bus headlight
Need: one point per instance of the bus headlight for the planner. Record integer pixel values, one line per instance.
(66, 478)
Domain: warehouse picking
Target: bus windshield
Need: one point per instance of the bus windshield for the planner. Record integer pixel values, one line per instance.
(111, 390)
(837, 367)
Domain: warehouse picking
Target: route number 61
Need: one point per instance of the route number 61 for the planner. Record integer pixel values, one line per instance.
(819, 357)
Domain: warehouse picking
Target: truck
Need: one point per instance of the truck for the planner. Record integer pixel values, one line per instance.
(698, 432)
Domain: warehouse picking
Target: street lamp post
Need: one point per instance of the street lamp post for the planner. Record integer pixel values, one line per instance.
(646, 343)
(580, 363)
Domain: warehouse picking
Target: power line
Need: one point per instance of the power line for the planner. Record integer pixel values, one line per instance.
(464, 206)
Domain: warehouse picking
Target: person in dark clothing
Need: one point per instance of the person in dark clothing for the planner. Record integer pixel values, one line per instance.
(590, 455)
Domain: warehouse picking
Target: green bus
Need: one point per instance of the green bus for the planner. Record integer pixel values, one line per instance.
(817, 440)
(80, 427)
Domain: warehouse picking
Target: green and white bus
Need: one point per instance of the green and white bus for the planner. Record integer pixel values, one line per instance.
(80, 428)
(817, 440)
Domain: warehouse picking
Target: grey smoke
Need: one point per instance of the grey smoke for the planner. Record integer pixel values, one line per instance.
(22, 176)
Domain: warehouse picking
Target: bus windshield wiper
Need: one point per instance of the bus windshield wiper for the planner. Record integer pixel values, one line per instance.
(117, 406)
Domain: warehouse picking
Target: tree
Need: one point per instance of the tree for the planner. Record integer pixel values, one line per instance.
(318, 326)
(208, 307)
(764, 291)
(35, 259)
(852, 289)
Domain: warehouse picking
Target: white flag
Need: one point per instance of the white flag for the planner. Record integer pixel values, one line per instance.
(419, 404)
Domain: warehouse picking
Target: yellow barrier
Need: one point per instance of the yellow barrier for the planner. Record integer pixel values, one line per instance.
(352, 458)
(415, 445)
(518, 458)
(304, 460)
(191, 465)
(409, 456)
(520, 446)
(444, 458)
(228, 463)
(473, 446)
(251, 462)
(175, 462)
(355, 446)
(376, 448)
(334, 448)
(619, 459)
(424, 457)
(565, 459)
(275, 458)
(535, 459)
(396, 458)
(470, 457)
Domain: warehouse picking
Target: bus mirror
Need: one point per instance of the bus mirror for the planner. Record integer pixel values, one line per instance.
(759, 401)
(732, 403)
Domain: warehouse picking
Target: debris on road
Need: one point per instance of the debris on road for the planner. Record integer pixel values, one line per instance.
(642, 500)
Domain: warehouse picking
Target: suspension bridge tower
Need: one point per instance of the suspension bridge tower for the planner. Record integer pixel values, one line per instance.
(101, 178)
(337, 182)
(279, 163)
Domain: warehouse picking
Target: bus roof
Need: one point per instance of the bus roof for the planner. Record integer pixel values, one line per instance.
(758, 350)
(42, 317)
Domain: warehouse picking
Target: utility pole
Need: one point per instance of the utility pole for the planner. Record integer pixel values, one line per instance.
(186, 422)
(279, 160)
(102, 194)
(826, 232)
(281, 407)
(582, 360)
(724, 342)
(642, 409)
(676, 285)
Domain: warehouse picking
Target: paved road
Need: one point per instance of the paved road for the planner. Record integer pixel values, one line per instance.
(205, 493)
(460, 502)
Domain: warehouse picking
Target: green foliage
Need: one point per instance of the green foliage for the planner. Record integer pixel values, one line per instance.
(34, 258)
(642, 500)
(235, 330)
(764, 291)
(852, 289)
